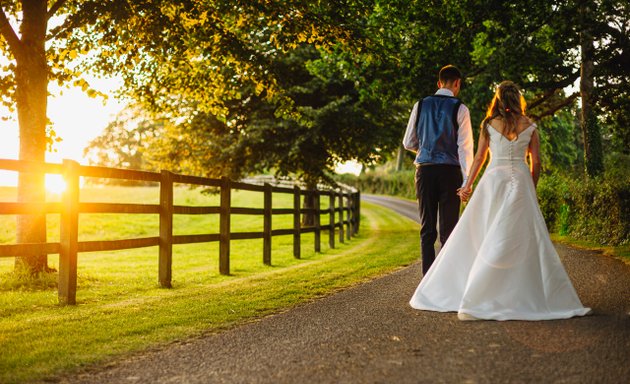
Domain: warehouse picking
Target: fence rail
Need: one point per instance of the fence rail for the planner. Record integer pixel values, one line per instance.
(343, 216)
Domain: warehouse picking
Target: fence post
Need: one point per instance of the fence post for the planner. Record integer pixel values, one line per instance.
(318, 238)
(357, 211)
(166, 229)
(351, 213)
(267, 225)
(224, 226)
(349, 231)
(331, 224)
(341, 229)
(296, 221)
(69, 236)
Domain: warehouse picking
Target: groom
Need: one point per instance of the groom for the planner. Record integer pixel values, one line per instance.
(440, 134)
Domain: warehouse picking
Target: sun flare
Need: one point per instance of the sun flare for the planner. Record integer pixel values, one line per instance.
(55, 184)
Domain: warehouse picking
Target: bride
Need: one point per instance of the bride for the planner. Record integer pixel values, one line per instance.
(499, 262)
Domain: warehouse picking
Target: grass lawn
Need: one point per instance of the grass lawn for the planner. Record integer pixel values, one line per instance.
(122, 309)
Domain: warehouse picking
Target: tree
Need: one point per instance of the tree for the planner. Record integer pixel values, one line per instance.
(126, 142)
(320, 119)
(28, 88)
(593, 155)
(534, 43)
(36, 56)
(330, 122)
(556, 45)
(139, 40)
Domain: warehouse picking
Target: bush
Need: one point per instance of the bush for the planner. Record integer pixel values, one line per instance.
(551, 191)
(593, 209)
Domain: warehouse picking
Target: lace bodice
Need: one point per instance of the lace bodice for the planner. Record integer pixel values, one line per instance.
(504, 150)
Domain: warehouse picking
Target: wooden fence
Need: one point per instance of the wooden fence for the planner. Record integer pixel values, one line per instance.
(343, 212)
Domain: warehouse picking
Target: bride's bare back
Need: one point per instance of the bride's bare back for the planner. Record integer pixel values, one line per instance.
(523, 123)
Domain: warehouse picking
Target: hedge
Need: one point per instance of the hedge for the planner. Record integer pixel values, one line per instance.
(593, 209)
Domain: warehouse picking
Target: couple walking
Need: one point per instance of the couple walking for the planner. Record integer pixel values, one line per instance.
(499, 262)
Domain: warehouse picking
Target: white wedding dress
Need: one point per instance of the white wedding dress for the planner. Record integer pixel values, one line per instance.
(499, 262)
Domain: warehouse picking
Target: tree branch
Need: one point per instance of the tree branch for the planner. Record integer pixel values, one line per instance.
(6, 30)
(551, 111)
(555, 85)
(542, 99)
(615, 33)
(476, 71)
(55, 7)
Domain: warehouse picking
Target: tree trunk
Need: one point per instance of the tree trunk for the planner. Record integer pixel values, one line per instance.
(400, 158)
(31, 76)
(593, 154)
(308, 219)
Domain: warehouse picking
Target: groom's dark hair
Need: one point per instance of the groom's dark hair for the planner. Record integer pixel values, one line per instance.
(449, 74)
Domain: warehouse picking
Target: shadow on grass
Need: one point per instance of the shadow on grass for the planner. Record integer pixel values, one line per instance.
(23, 281)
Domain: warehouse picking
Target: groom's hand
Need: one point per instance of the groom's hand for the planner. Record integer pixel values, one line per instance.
(464, 194)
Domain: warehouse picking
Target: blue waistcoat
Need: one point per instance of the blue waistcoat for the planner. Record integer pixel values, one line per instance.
(437, 130)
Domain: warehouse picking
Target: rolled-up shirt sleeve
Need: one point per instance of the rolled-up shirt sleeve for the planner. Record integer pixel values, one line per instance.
(464, 141)
(410, 141)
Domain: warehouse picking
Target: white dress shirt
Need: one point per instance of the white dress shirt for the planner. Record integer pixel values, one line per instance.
(464, 135)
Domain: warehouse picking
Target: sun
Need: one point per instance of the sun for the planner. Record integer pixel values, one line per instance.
(55, 184)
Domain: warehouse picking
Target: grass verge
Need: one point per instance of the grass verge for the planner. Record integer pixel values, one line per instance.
(41, 340)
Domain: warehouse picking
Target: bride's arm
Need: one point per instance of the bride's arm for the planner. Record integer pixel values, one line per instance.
(534, 153)
(480, 159)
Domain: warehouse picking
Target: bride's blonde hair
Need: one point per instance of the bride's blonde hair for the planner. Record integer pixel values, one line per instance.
(508, 103)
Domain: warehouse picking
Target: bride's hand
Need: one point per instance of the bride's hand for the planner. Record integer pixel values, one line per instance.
(464, 193)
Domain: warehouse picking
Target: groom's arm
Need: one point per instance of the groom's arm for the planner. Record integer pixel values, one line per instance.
(410, 140)
(465, 141)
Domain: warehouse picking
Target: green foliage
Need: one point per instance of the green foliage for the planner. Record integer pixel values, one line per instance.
(196, 55)
(204, 61)
(331, 121)
(552, 190)
(493, 41)
(232, 78)
(593, 209)
(560, 141)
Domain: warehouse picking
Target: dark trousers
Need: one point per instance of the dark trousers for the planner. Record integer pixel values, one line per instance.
(436, 190)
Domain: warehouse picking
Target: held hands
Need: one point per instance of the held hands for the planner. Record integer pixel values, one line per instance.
(464, 193)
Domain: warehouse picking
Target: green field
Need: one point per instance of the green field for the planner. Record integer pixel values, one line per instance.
(122, 309)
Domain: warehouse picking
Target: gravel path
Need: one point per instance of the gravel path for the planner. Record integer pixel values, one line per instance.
(368, 334)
